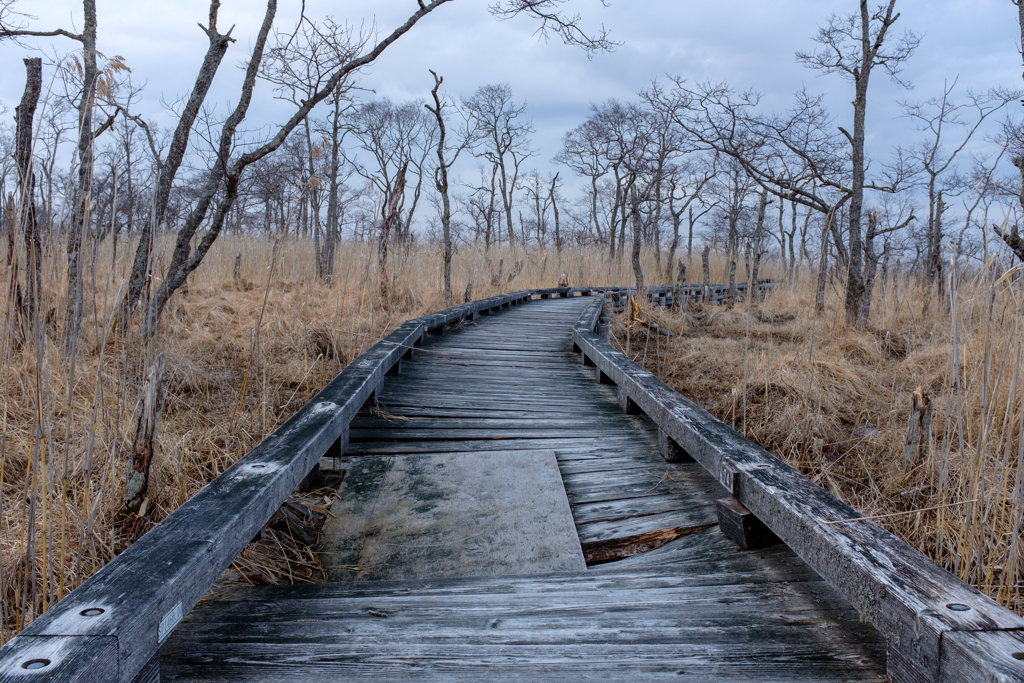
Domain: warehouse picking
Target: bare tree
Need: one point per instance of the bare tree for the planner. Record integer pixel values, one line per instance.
(26, 217)
(686, 182)
(394, 136)
(1012, 236)
(796, 155)
(220, 190)
(583, 150)
(553, 200)
(938, 118)
(298, 65)
(447, 155)
(503, 140)
(80, 216)
(852, 46)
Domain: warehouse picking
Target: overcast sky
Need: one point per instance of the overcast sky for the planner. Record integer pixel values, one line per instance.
(749, 43)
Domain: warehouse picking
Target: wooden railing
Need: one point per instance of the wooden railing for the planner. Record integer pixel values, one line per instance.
(110, 628)
(937, 627)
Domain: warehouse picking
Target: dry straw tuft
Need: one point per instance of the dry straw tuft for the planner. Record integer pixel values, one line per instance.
(836, 402)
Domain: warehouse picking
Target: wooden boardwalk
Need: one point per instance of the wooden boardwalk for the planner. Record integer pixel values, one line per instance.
(453, 554)
(520, 501)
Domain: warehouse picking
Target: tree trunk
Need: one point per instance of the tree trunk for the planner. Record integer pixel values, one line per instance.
(385, 230)
(870, 268)
(175, 155)
(819, 294)
(136, 488)
(638, 271)
(915, 448)
(856, 289)
(25, 114)
(441, 182)
(705, 259)
(83, 193)
(554, 207)
(732, 250)
(679, 296)
(331, 233)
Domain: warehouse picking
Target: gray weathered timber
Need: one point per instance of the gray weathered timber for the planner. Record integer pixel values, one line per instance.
(741, 526)
(912, 601)
(982, 657)
(453, 514)
(475, 389)
(727, 617)
(715, 612)
(147, 589)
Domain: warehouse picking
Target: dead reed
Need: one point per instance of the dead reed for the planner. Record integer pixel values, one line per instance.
(835, 403)
(243, 353)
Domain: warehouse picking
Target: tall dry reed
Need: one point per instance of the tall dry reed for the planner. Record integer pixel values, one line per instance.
(835, 402)
(243, 355)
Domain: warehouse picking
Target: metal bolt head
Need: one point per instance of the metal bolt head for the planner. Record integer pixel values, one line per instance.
(957, 607)
(92, 612)
(34, 664)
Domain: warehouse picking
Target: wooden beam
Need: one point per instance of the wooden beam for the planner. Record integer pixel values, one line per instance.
(741, 526)
(670, 450)
(904, 594)
(109, 628)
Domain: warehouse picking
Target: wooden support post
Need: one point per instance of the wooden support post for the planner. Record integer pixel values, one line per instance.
(585, 359)
(136, 488)
(396, 369)
(627, 404)
(916, 447)
(372, 401)
(603, 378)
(307, 481)
(670, 450)
(338, 448)
(437, 331)
(740, 525)
(151, 671)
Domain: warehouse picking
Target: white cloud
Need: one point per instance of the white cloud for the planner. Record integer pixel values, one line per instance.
(747, 42)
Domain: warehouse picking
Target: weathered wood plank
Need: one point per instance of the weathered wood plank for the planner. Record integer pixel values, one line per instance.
(899, 590)
(682, 520)
(595, 625)
(145, 590)
(450, 515)
(741, 526)
(982, 657)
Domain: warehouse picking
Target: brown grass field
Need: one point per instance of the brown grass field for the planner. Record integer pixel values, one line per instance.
(244, 354)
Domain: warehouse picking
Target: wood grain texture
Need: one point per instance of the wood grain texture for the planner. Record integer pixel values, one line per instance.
(171, 567)
(451, 514)
(688, 621)
(899, 590)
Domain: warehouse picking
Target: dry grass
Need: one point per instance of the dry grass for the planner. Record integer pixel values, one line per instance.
(834, 402)
(243, 355)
